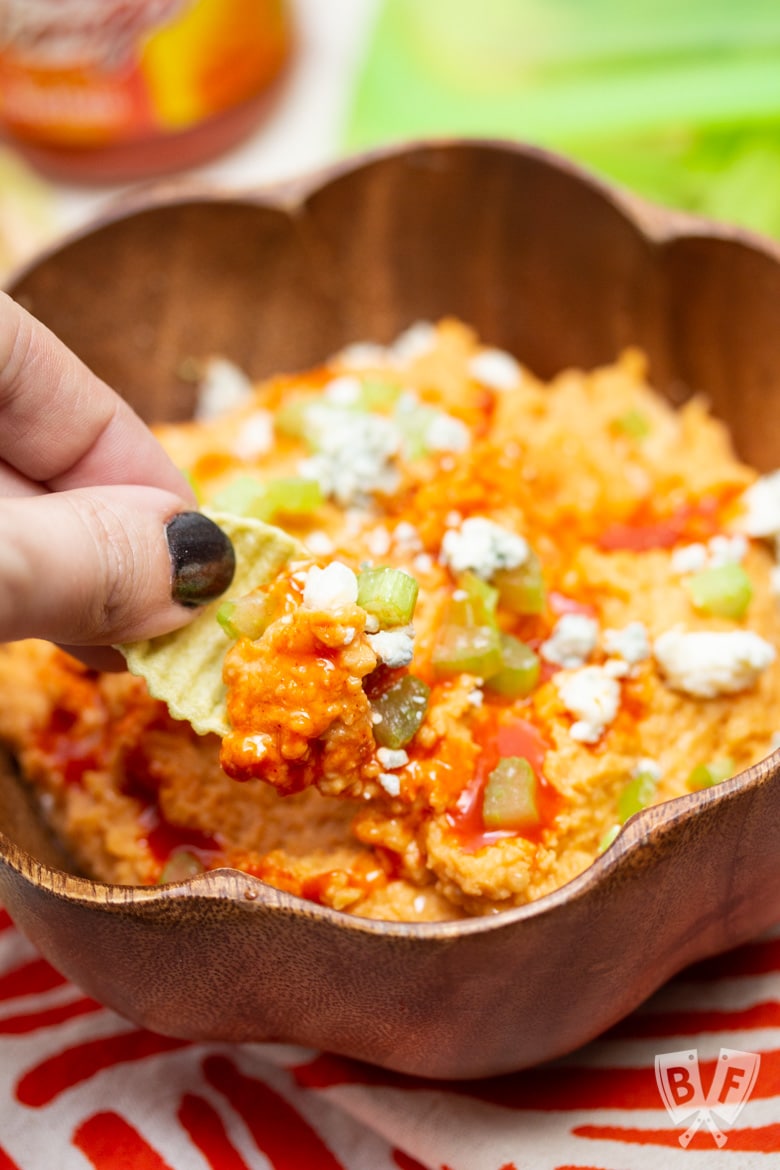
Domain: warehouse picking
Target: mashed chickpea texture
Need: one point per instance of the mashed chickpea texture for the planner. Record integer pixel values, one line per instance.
(514, 614)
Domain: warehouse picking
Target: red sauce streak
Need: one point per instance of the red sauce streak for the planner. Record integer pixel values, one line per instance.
(165, 840)
(366, 877)
(162, 836)
(70, 753)
(518, 738)
(560, 604)
(697, 521)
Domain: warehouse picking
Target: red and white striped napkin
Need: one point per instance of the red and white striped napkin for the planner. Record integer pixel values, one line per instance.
(80, 1087)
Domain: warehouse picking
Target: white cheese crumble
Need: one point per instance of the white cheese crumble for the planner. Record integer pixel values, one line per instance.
(255, 436)
(446, 433)
(330, 588)
(647, 767)
(423, 562)
(414, 342)
(319, 543)
(727, 550)
(344, 390)
(390, 782)
(483, 547)
(223, 387)
(689, 558)
(592, 696)
(378, 541)
(391, 759)
(706, 663)
(631, 643)
(362, 355)
(406, 538)
(354, 454)
(496, 368)
(718, 551)
(393, 647)
(572, 641)
(617, 668)
(762, 507)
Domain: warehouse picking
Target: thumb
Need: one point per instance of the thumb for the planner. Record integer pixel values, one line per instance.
(96, 566)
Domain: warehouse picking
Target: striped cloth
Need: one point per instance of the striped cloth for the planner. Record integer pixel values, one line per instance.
(80, 1087)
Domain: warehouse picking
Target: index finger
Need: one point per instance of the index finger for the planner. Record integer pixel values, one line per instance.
(62, 426)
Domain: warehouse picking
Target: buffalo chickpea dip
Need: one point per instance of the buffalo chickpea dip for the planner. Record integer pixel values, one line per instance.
(517, 614)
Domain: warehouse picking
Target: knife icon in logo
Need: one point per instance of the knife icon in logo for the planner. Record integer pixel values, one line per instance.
(678, 1077)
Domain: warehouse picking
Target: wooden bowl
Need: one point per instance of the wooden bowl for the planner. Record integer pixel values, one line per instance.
(561, 270)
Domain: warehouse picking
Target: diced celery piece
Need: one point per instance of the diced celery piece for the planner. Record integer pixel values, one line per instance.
(519, 671)
(376, 394)
(636, 795)
(401, 708)
(179, 866)
(414, 424)
(290, 495)
(263, 500)
(706, 775)
(469, 641)
(467, 650)
(633, 424)
(723, 591)
(247, 617)
(388, 594)
(474, 602)
(610, 836)
(291, 418)
(522, 589)
(510, 797)
(225, 618)
(239, 495)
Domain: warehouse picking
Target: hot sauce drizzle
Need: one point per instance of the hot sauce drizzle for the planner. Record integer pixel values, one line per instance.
(698, 520)
(518, 738)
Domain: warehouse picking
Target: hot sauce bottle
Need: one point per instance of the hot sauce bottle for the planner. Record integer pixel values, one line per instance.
(111, 90)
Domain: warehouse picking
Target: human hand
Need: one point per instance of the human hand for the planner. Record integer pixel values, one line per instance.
(99, 542)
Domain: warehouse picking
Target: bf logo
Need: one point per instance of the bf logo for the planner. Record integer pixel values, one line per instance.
(679, 1083)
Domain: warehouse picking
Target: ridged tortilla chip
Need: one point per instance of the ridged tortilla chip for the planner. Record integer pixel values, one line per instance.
(184, 668)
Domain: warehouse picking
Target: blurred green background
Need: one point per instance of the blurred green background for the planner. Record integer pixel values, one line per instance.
(678, 100)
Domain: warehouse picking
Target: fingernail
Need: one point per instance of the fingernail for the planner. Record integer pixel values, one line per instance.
(202, 558)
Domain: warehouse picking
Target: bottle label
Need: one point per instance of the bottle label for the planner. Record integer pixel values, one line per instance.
(97, 72)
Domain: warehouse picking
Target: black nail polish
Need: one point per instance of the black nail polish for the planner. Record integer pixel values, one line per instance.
(202, 558)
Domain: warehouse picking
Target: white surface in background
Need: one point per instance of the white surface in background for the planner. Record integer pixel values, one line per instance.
(305, 127)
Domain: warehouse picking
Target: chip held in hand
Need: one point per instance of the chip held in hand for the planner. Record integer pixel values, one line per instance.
(184, 668)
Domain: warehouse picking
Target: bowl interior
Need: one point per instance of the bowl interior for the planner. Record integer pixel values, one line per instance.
(554, 267)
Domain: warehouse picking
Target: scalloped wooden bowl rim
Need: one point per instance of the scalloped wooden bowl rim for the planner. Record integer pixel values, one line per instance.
(655, 223)
(644, 827)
